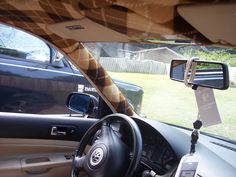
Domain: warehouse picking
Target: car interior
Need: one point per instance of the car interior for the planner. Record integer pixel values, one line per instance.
(111, 140)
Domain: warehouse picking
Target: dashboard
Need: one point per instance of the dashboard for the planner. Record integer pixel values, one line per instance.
(164, 145)
(157, 156)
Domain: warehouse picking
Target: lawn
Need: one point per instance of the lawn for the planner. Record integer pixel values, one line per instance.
(172, 102)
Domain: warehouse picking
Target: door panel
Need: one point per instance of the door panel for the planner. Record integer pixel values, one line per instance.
(15, 146)
(27, 148)
(61, 171)
(15, 125)
(27, 157)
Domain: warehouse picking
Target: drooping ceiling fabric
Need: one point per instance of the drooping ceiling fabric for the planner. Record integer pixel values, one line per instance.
(137, 19)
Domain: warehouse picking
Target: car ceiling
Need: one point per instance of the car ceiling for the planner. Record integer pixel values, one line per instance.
(65, 22)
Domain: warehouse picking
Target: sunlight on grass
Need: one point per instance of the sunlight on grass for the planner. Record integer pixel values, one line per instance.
(169, 101)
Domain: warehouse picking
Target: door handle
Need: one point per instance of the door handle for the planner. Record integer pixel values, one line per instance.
(62, 130)
(55, 131)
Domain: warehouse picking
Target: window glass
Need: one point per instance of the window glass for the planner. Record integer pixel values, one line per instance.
(27, 83)
(148, 65)
(16, 43)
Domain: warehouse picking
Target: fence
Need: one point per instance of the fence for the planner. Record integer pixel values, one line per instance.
(135, 66)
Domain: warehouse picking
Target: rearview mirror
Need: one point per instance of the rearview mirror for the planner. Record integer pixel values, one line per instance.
(202, 73)
(82, 103)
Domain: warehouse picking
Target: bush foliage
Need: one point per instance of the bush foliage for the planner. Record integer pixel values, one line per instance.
(224, 55)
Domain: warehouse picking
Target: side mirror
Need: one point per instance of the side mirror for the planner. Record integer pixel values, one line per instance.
(82, 103)
(57, 59)
(202, 73)
(58, 64)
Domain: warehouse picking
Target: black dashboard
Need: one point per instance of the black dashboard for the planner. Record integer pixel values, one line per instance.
(164, 145)
(157, 156)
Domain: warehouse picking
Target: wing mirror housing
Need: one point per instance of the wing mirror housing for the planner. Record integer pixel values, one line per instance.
(57, 63)
(202, 73)
(56, 58)
(82, 103)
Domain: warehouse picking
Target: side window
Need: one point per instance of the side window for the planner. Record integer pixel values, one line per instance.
(16, 43)
(33, 78)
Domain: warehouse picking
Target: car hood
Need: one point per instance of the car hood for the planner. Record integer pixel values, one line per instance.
(65, 24)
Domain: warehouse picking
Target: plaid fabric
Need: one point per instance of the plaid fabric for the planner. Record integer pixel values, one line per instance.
(139, 20)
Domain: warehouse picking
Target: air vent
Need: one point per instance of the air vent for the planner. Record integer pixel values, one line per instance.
(223, 145)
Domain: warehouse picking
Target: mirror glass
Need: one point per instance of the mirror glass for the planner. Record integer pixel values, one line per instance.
(79, 103)
(202, 73)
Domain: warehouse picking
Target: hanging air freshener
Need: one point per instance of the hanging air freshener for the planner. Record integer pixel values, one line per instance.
(189, 164)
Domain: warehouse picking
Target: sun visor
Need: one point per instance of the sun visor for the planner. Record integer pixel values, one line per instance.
(217, 22)
(85, 30)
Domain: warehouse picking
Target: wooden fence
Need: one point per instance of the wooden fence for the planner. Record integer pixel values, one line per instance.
(135, 66)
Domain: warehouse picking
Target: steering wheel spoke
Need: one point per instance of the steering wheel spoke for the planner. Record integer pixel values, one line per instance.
(79, 162)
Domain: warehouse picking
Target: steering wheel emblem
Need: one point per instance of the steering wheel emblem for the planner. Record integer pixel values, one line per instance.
(96, 156)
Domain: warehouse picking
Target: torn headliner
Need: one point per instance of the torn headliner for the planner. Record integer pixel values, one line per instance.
(134, 19)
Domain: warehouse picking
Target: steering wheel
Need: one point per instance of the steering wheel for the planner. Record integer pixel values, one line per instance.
(108, 156)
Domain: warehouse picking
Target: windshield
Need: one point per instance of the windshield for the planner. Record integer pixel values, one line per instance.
(147, 66)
